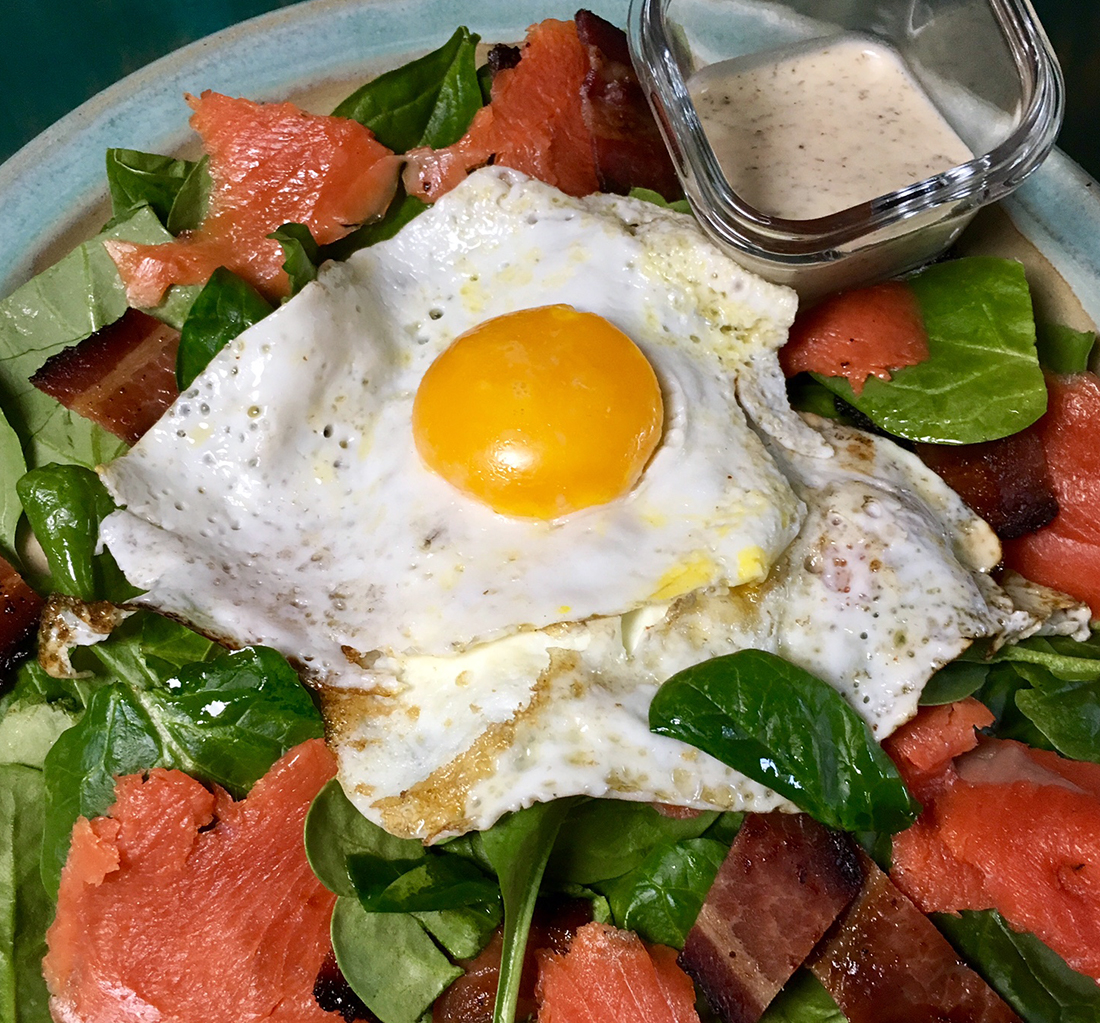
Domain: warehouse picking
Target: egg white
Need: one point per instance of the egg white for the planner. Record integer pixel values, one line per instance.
(471, 663)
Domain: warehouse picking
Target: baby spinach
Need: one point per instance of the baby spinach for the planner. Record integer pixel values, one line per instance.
(649, 195)
(518, 846)
(608, 837)
(954, 681)
(224, 308)
(224, 720)
(781, 726)
(65, 505)
(12, 467)
(1027, 974)
(301, 254)
(437, 882)
(25, 908)
(981, 379)
(662, 896)
(428, 102)
(1062, 349)
(175, 190)
(390, 961)
(803, 1000)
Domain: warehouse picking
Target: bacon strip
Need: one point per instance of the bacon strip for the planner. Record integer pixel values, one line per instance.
(784, 882)
(123, 377)
(20, 607)
(626, 141)
(1007, 481)
(885, 962)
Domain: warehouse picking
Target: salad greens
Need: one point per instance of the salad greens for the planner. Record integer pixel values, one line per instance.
(982, 378)
(786, 729)
(11, 509)
(175, 190)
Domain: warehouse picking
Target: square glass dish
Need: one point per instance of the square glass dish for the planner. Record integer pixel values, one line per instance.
(827, 143)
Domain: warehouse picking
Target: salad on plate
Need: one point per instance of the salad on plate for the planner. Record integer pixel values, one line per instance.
(439, 582)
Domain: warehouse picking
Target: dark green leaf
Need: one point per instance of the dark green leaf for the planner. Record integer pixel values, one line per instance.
(465, 931)
(224, 308)
(999, 695)
(518, 846)
(335, 831)
(189, 207)
(1067, 713)
(1062, 349)
(436, 882)
(1034, 980)
(301, 254)
(138, 179)
(607, 837)
(725, 829)
(25, 908)
(403, 209)
(807, 394)
(660, 898)
(982, 378)
(485, 82)
(803, 1000)
(390, 961)
(65, 505)
(427, 102)
(785, 728)
(954, 681)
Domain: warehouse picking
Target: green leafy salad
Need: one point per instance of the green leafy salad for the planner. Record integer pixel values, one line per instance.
(145, 691)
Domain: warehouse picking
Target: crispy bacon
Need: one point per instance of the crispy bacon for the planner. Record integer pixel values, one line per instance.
(885, 962)
(784, 882)
(1007, 482)
(123, 377)
(626, 141)
(20, 607)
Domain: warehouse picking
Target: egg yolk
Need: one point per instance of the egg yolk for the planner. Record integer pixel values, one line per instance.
(539, 413)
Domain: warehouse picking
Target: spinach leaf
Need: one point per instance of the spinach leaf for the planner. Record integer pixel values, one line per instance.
(1062, 349)
(1028, 975)
(518, 846)
(301, 254)
(335, 831)
(65, 505)
(803, 1000)
(662, 896)
(954, 681)
(137, 179)
(224, 308)
(403, 209)
(12, 467)
(981, 379)
(25, 909)
(224, 720)
(790, 731)
(59, 307)
(389, 960)
(807, 394)
(649, 195)
(608, 837)
(437, 882)
(427, 102)
(464, 931)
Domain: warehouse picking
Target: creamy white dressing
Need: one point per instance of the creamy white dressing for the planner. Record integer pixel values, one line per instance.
(806, 132)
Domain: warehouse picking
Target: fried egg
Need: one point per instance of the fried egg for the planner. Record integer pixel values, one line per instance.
(490, 482)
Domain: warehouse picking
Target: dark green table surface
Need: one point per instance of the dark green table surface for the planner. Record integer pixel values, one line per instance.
(59, 53)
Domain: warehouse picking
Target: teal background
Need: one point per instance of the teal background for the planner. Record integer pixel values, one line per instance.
(58, 54)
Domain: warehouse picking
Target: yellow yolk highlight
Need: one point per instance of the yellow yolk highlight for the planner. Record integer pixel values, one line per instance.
(540, 412)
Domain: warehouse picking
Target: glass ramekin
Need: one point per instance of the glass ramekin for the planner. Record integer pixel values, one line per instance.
(986, 65)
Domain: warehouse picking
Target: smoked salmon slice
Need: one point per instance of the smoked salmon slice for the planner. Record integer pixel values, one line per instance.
(857, 334)
(1004, 827)
(185, 905)
(609, 974)
(1066, 554)
(271, 164)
